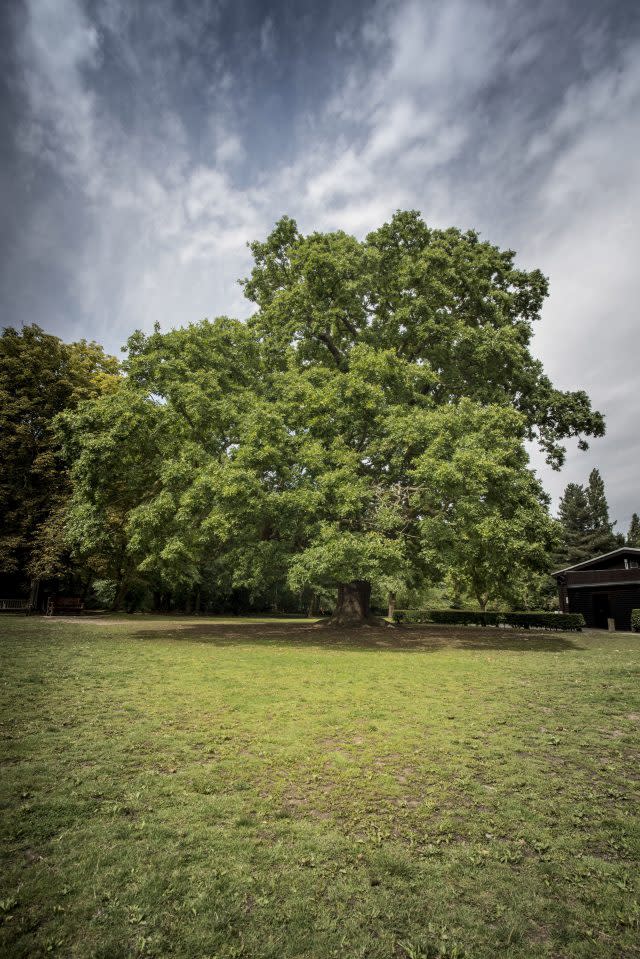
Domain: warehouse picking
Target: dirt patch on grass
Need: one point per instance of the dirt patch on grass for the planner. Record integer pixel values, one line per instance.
(405, 638)
(423, 638)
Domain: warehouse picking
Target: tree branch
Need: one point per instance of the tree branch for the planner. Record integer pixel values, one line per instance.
(349, 325)
(333, 349)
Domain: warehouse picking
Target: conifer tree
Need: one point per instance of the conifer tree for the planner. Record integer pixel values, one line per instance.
(575, 518)
(633, 536)
(584, 517)
(601, 539)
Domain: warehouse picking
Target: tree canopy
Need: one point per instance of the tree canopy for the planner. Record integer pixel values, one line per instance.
(40, 377)
(584, 517)
(575, 517)
(366, 426)
(438, 299)
(633, 536)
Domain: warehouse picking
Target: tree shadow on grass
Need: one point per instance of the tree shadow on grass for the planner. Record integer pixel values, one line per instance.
(402, 639)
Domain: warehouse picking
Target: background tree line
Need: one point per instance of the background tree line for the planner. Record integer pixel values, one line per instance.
(361, 437)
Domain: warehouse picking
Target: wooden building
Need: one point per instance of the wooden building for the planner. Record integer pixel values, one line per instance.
(603, 588)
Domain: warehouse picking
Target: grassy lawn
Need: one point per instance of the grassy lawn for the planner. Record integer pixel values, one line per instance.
(208, 789)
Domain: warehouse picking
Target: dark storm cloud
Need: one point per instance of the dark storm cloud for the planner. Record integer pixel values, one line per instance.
(143, 144)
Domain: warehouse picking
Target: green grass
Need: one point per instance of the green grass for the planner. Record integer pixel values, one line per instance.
(204, 789)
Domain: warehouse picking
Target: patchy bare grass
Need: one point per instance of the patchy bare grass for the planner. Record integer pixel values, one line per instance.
(257, 789)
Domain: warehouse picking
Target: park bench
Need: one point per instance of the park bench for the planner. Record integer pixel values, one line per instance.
(64, 604)
(15, 606)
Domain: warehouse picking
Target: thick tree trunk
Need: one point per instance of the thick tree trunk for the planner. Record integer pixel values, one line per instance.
(33, 595)
(87, 587)
(313, 607)
(392, 605)
(353, 607)
(121, 592)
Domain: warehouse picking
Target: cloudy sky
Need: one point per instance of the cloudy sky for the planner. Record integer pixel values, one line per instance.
(142, 144)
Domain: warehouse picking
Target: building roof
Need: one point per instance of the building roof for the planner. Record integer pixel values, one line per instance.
(586, 563)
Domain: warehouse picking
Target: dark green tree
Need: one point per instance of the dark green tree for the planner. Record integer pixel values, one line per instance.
(366, 427)
(601, 537)
(40, 377)
(148, 462)
(633, 536)
(584, 518)
(575, 521)
(439, 301)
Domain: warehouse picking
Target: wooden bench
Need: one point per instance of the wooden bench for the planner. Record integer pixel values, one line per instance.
(64, 604)
(15, 606)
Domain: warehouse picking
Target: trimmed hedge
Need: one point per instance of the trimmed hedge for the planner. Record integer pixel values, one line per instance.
(466, 617)
(563, 621)
(635, 620)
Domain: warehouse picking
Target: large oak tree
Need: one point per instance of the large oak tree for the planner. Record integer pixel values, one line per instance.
(366, 426)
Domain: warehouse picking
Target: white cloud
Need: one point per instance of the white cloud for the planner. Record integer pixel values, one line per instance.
(58, 44)
(436, 111)
(267, 38)
(586, 236)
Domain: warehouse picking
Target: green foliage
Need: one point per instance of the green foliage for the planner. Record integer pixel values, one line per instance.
(520, 620)
(105, 591)
(150, 471)
(440, 299)
(459, 617)
(342, 556)
(633, 536)
(575, 519)
(113, 446)
(497, 535)
(561, 621)
(635, 620)
(368, 423)
(602, 539)
(432, 328)
(584, 518)
(40, 377)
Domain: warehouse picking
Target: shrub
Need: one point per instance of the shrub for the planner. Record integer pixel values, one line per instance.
(464, 617)
(563, 621)
(635, 620)
(412, 616)
(105, 591)
(460, 617)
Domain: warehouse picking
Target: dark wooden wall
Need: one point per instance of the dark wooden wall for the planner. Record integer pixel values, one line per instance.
(622, 599)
